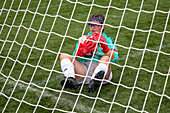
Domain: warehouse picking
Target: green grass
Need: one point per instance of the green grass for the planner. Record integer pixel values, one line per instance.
(13, 64)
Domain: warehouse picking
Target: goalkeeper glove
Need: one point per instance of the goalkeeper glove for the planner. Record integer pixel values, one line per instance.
(102, 42)
(85, 48)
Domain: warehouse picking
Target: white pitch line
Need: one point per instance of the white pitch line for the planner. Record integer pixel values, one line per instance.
(79, 106)
(140, 53)
(53, 97)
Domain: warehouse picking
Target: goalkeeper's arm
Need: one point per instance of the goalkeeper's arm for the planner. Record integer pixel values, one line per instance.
(111, 53)
(85, 48)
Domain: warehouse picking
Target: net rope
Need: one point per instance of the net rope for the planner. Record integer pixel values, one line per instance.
(28, 84)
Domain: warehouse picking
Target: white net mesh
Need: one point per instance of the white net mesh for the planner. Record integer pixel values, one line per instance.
(34, 34)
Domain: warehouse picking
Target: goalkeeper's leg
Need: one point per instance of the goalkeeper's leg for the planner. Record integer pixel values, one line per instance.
(69, 68)
(102, 71)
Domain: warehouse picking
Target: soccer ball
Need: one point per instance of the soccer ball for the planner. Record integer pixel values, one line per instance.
(83, 38)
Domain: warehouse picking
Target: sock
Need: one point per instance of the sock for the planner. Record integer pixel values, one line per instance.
(68, 68)
(100, 67)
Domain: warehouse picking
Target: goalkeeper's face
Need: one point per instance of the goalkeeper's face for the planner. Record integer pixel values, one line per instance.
(94, 26)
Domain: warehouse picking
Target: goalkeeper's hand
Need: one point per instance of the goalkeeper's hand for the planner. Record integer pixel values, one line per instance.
(103, 43)
(87, 47)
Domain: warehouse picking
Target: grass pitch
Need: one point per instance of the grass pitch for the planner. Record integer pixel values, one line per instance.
(30, 46)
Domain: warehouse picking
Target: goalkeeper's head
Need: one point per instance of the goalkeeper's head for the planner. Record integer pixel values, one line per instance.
(96, 23)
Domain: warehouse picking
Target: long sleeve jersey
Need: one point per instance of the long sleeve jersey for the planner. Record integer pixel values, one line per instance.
(99, 53)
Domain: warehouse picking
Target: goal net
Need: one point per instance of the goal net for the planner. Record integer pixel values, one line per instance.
(34, 33)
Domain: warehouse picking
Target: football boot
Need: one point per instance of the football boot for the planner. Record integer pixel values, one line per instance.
(94, 84)
(71, 83)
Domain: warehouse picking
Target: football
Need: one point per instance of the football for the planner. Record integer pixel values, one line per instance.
(83, 38)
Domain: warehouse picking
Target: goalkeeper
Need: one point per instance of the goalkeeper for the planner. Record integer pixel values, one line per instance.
(80, 68)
